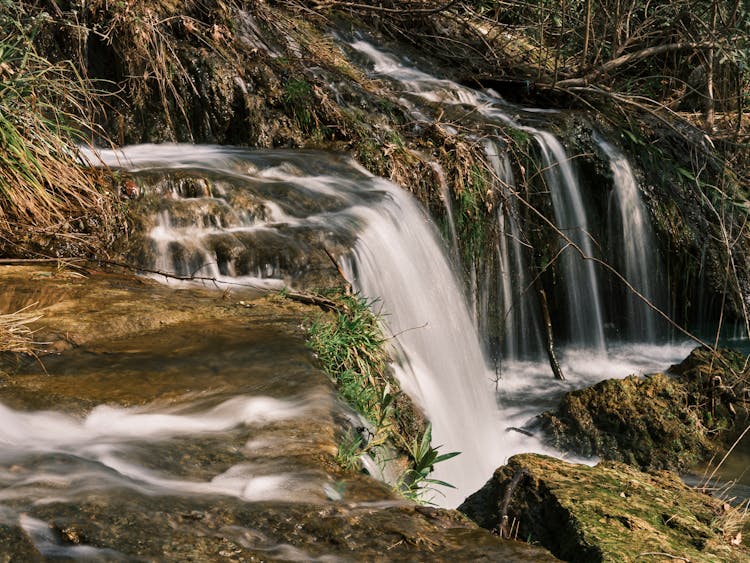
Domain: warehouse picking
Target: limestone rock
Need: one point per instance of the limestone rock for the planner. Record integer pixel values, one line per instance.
(610, 512)
(663, 421)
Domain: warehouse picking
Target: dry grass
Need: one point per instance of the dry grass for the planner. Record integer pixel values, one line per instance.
(43, 109)
(15, 333)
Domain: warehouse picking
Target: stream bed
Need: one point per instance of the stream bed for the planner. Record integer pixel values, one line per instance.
(188, 424)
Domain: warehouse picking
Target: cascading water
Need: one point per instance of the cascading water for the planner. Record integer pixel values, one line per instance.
(438, 359)
(526, 387)
(265, 214)
(585, 317)
(522, 336)
(397, 258)
(583, 301)
(633, 248)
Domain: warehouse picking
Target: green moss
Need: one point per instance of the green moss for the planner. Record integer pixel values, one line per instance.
(473, 228)
(610, 512)
(298, 100)
(669, 421)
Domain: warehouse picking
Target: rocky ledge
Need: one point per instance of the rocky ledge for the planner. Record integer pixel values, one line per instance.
(189, 425)
(669, 420)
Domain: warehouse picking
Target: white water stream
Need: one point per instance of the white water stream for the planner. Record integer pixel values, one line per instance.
(632, 241)
(584, 308)
(397, 259)
(260, 219)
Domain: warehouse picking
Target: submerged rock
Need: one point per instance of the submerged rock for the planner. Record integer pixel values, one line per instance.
(610, 512)
(662, 421)
(190, 425)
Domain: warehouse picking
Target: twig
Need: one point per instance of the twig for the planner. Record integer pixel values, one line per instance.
(309, 299)
(723, 459)
(503, 530)
(660, 554)
(384, 9)
(348, 285)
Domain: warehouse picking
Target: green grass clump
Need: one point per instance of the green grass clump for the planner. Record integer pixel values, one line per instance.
(350, 346)
(298, 101)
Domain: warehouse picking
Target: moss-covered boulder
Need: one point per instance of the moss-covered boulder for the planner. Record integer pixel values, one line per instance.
(662, 421)
(610, 512)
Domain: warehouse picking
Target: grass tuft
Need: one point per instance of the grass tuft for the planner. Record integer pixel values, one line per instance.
(44, 110)
(349, 344)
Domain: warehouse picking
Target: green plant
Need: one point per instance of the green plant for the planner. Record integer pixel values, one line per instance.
(349, 451)
(44, 110)
(415, 482)
(349, 345)
(298, 100)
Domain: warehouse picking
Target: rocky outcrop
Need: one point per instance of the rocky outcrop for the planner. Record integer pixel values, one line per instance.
(610, 512)
(663, 421)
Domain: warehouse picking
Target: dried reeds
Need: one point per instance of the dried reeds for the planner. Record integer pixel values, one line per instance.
(15, 333)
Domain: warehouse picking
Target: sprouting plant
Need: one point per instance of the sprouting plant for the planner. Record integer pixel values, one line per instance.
(415, 482)
(298, 101)
(349, 451)
(349, 346)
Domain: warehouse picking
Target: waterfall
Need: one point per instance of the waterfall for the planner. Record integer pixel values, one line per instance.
(399, 259)
(396, 258)
(585, 318)
(582, 303)
(633, 247)
(522, 335)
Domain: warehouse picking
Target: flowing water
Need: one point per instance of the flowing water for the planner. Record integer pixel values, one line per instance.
(582, 307)
(584, 310)
(263, 216)
(520, 318)
(237, 218)
(396, 258)
(632, 244)
(393, 255)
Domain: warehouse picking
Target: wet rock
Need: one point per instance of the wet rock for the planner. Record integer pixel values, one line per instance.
(90, 485)
(663, 421)
(16, 545)
(610, 512)
(176, 529)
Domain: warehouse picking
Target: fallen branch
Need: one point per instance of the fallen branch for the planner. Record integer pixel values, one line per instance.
(386, 10)
(310, 299)
(554, 364)
(613, 64)
(307, 298)
(661, 554)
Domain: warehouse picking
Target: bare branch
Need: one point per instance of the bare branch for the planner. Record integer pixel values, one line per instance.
(614, 64)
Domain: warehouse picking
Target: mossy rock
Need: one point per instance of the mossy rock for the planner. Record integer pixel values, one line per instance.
(662, 421)
(610, 512)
